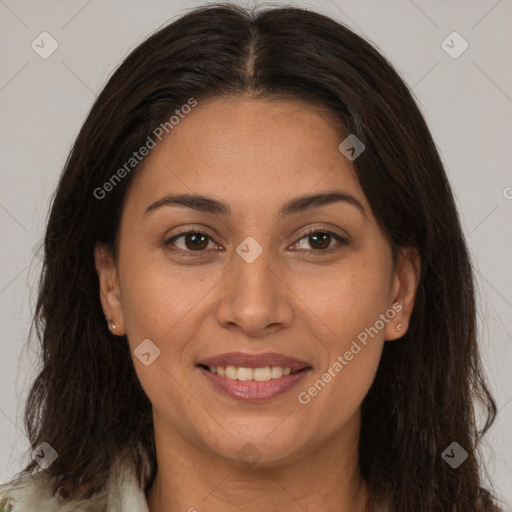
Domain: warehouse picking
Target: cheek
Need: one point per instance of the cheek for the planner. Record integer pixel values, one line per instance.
(348, 371)
(159, 305)
(343, 395)
(155, 297)
(348, 299)
(349, 303)
(167, 306)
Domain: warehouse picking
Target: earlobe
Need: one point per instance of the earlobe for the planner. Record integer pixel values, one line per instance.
(110, 295)
(405, 287)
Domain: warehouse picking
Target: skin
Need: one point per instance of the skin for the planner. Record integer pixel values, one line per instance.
(254, 155)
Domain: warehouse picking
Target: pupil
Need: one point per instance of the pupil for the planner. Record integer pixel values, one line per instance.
(324, 236)
(196, 240)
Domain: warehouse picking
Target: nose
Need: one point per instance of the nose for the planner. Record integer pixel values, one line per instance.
(254, 297)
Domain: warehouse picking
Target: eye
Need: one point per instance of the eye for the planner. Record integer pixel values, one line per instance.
(193, 241)
(321, 241)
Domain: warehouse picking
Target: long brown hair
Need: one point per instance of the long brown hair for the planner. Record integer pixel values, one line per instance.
(87, 402)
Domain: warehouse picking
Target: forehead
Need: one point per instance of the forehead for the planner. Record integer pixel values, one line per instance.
(250, 151)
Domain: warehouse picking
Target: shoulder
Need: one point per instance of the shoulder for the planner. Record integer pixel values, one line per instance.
(27, 494)
(33, 493)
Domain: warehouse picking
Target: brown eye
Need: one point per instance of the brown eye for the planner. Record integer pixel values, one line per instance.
(321, 241)
(194, 241)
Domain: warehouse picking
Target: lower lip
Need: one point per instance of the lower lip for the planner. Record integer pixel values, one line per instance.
(254, 391)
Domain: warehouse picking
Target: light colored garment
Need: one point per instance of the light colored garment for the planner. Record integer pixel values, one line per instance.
(33, 494)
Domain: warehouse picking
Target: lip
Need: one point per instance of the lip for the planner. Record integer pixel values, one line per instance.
(254, 391)
(255, 360)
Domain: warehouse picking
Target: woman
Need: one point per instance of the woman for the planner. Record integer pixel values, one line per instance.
(256, 293)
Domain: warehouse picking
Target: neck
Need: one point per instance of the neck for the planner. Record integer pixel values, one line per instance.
(192, 478)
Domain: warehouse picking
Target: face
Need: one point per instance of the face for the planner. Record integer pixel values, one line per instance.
(261, 286)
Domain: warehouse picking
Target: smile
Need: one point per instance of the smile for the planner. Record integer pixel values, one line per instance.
(263, 374)
(253, 384)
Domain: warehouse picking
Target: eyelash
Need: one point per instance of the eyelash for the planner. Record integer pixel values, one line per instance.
(341, 241)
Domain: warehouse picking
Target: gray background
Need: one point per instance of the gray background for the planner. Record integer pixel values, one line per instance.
(467, 102)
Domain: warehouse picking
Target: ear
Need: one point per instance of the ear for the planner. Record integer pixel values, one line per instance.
(404, 287)
(110, 295)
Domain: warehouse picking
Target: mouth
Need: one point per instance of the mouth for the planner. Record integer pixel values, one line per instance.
(262, 374)
(253, 378)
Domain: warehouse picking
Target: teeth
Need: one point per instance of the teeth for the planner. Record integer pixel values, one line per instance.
(231, 372)
(244, 373)
(263, 374)
(276, 372)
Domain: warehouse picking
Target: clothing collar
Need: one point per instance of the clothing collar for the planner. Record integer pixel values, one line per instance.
(33, 492)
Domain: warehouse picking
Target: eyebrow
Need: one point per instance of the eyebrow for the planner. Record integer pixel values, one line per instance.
(206, 204)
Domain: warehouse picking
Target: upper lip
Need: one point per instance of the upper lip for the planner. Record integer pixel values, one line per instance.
(254, 360)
